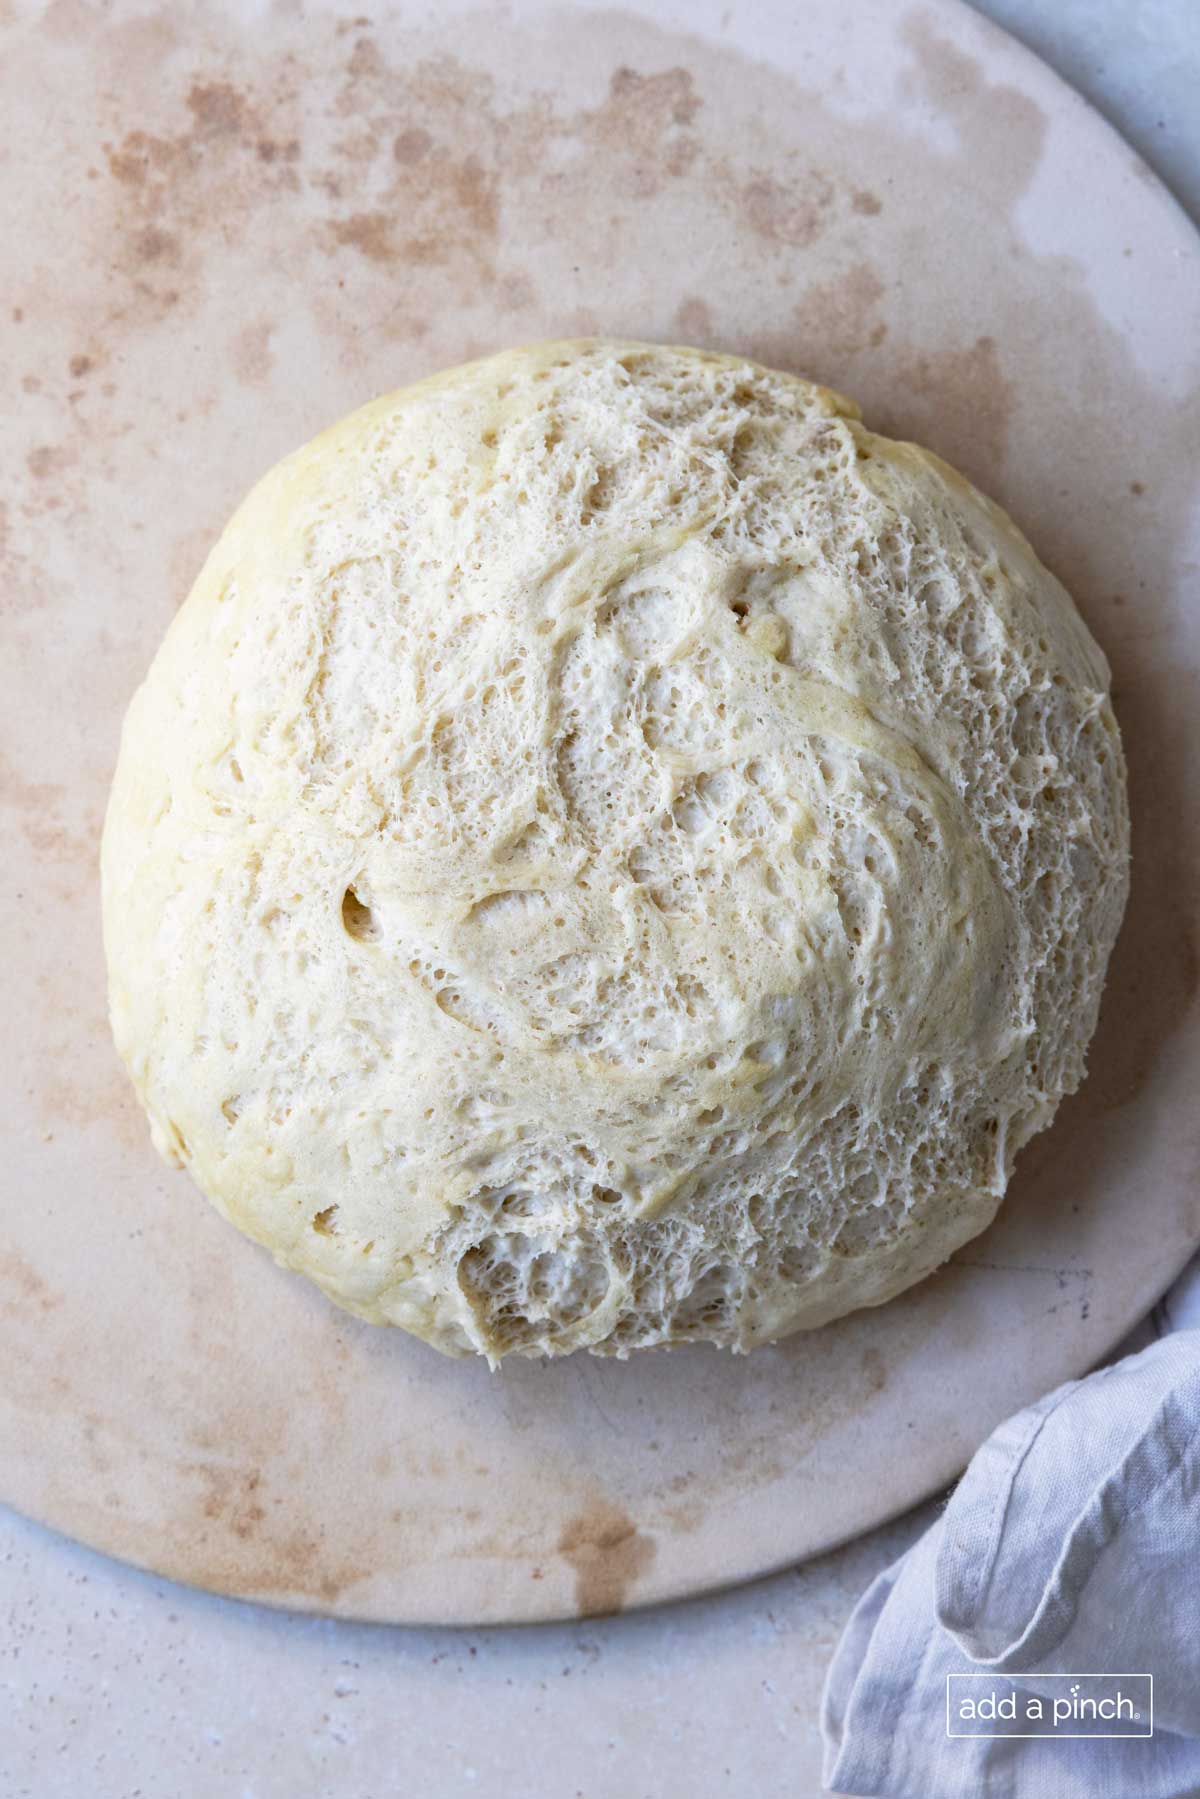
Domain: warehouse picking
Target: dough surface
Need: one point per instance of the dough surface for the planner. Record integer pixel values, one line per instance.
(612, 852)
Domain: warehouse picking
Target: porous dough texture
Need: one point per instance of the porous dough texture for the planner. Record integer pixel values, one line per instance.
(612, 852)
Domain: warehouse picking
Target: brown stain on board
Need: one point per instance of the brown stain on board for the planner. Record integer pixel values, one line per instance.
(874, 1369)
(644, 127)
(23, 1289)
(250, 354)
(786, 214)
(966, 398)
(233, 1496)
(76, 1104)
(401, 209)
(845, 314)
(694, 321)
(229, 1532)
(608, 1554)
(990, 117)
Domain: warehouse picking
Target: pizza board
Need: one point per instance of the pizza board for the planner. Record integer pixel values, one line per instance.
(230, 225)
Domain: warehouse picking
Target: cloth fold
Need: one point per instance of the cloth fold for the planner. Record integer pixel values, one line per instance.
(1070, 1546)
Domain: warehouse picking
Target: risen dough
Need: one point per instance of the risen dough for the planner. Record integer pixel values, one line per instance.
(613, 852)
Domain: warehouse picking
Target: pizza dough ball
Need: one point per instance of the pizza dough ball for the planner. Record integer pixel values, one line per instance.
(613, 852)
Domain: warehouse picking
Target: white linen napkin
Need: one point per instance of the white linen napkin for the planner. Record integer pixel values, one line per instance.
(1071, 1546)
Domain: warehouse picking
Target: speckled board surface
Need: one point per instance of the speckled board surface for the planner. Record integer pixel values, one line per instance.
(233, 224)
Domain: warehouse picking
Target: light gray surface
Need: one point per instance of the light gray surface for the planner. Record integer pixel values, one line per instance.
(111, 1679)
(117, 1684)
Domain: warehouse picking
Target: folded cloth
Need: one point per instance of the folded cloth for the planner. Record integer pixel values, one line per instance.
(1070, 1546)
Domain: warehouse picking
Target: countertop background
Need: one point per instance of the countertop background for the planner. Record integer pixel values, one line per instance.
(122, 1686)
